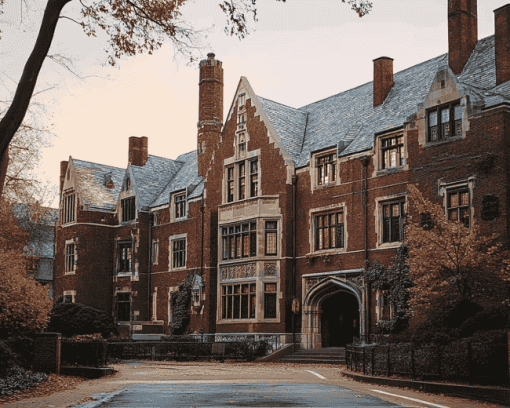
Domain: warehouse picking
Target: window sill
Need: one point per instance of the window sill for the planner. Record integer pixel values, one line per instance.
(389, 245)
(319, 186)
(391, 170)
(440, 142)
(124, 323)
(248, 321)
(182, 268)
(332, 251)
(238, 260)
(180, 219)
(124, 274)
(70, 273)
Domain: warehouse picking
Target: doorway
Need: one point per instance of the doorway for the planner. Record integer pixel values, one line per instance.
(339, 320)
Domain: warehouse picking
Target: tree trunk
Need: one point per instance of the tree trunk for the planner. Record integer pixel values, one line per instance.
(4, 163)
(16, 112)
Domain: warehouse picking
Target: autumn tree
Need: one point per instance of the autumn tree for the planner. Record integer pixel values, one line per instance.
(24, 303)
(450, 263)
(133, 27)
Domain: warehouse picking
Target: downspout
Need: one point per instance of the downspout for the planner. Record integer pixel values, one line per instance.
(149, 269)
(365, 161)
(202, 208)
(294, 266)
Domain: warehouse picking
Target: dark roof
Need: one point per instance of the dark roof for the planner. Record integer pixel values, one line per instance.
(92, 184)
(150, 179)
(350, 117)
(186, 178)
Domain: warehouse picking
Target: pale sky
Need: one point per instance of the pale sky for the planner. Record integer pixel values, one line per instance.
(297, 53)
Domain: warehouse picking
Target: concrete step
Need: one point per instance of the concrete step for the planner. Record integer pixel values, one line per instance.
(311, 361)
(317, 356)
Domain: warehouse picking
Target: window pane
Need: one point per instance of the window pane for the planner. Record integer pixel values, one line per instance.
(454, 200)
(270, 243)
(270, 306)
(244, 306)
(464, 216)
(253, 306)
(457, 109)
(270, 287)
(453, 215)
(464, 198)
(395, 210)
(433, 118)
(433, 133)
(393, 158)
(253, 244)
(446, 130)
(253, 287)
(445, 115)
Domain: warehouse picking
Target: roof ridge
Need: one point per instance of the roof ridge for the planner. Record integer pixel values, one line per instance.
(99, 164)
(282, 104)
(167, 184)
(366, 83)
(161, 157)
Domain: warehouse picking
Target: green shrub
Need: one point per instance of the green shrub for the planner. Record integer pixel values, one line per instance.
(72, 319)
(491, 318)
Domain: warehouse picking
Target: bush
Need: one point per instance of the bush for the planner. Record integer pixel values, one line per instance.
(72, 319)
(87, 350)
(22, 348)
(19, 379)
(7, 359)
(492, 318)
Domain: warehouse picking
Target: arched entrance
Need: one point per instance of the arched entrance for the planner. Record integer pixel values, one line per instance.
(339, 320)
(332, 314)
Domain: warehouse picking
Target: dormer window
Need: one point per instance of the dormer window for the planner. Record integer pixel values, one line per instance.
(392, 153)
(445, 122)
(128, 209)
(180, 205)
(108, 179)
(326, 169)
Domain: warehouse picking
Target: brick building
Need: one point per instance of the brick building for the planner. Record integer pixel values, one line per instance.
(278, 208)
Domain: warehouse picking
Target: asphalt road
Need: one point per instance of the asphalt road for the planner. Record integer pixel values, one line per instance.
(210, 394)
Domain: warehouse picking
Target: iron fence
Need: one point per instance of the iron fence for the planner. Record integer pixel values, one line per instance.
(474, 363)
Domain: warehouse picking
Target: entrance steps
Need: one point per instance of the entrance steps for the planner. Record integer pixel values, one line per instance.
(328, 355)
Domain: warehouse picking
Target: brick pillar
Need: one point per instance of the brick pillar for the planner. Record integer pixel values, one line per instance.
(462, 32)
(138, 150)
(502, 39)
(47, 348)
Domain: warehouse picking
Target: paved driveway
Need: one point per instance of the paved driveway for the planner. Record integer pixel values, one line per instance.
(171, 384)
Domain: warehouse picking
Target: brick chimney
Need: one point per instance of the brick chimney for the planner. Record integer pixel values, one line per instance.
(502, 36)
(138, 150)
(462, 32)
(210, 110)
(383, 79)
(63, 171)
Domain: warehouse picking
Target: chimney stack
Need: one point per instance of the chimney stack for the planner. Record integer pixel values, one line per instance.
(462, 32)
(138, 150)
(210, 110)
(502, 37)
(63, 171)
(383, 79)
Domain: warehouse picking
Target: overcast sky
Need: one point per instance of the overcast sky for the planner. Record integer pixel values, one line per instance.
(298, 52)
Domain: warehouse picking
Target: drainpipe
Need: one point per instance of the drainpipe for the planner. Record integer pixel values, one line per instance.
(149, 269)
(365, 161)
(202, 208)
(294, 278)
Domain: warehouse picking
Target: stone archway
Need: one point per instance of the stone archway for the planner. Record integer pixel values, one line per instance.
(317, 295)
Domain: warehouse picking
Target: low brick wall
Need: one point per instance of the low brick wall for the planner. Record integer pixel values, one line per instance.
(47, 347)
(488, 394)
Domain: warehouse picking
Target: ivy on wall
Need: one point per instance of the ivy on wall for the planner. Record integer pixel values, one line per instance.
(180, 301)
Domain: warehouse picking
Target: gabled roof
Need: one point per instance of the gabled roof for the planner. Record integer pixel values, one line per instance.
(150, 179)
(91, 184)
(186, 178)
(350, 117)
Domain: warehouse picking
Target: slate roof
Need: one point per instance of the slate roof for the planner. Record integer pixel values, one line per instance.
(149, 180)
(350, 117)
(91, 181)
(186, 178)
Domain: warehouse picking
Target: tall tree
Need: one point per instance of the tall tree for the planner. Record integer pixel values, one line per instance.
(133, 27)
(449, 262)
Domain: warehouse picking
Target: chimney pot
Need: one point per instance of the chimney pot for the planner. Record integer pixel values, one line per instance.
(502, 43)
(383, 79)
(462, 32)
(211, 55)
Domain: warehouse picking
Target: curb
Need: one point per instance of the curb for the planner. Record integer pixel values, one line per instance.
(88, 372)
(488, 394)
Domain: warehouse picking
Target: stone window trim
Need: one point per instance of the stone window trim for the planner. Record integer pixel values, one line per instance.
(380, 168)
(69, 207)
(128, 209)
(238, 240)
(272, 233)
(238, 301)
(380, 203)
(392, 152)
(446, 189)
(319, 167)
(155, 251)
(178, 252)
(241, 99)
(69, 296)
(240, 174)
(123, 303)
(124, 257)
(71, 256)
(314, 212)
(444, 122)
(178, 206)
(383, 309)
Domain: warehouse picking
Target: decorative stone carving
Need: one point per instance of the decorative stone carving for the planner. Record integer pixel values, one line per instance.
(270, 269)
(229, 272)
